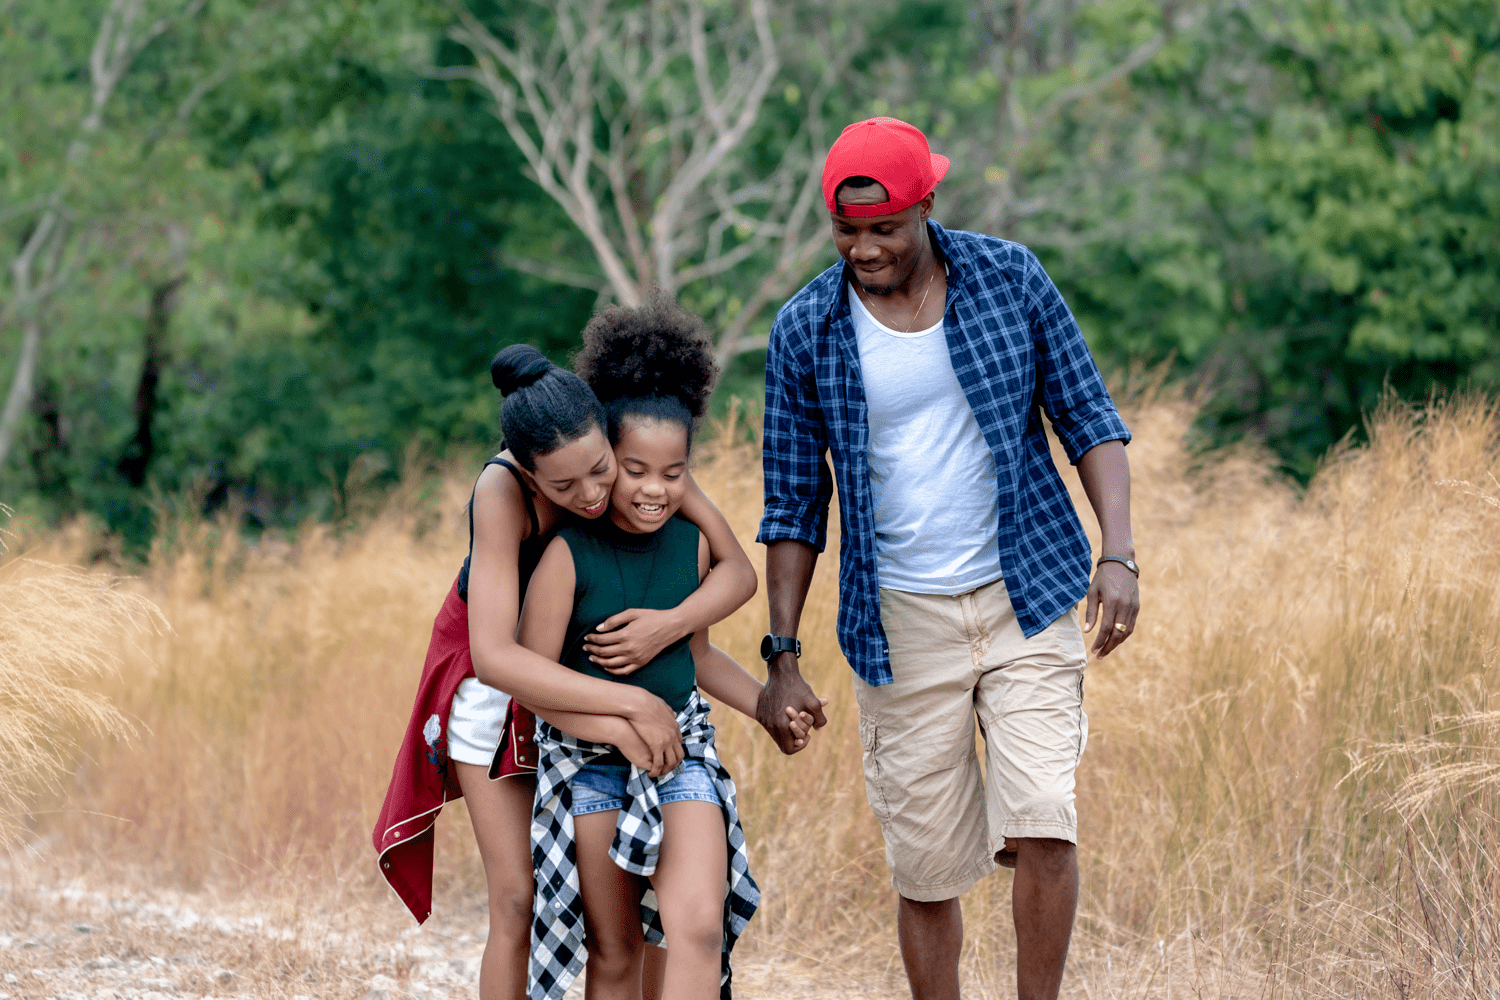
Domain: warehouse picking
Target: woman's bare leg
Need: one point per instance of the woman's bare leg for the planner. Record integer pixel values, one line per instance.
(690, 880)
(500, 812)
(611, 911)
(653, 972)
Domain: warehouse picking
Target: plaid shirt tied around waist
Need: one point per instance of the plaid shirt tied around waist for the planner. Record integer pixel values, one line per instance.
(1017, 353)
(557, 929)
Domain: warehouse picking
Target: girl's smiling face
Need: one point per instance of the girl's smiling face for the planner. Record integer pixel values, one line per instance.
(652, 456)
(578, 476)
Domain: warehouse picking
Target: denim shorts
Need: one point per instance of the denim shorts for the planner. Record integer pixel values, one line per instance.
(600, 787)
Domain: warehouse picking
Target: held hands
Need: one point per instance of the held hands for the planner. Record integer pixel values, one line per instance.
(801, 725)
(787, 707)
(1113, 601)
(626, 642)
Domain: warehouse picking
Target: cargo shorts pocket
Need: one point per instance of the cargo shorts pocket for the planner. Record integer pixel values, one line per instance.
(869, 741)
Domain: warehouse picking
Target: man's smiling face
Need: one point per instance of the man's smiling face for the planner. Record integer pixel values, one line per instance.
(883, 251)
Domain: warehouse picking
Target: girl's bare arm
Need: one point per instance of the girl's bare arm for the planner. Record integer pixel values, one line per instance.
(722, 677)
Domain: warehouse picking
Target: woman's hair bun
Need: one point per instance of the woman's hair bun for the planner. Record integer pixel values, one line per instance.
(517, 366)
(658, 349)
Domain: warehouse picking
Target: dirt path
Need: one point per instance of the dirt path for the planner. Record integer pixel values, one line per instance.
(74, 941)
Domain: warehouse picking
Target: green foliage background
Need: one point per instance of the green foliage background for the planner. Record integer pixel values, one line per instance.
(1292, 203)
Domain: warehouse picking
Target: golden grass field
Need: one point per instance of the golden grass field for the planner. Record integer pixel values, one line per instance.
(1290, 789)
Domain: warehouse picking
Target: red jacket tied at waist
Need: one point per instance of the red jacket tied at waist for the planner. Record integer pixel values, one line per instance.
(423, 780)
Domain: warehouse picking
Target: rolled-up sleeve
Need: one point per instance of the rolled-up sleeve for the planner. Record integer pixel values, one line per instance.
(1074, 396)
(798, 484)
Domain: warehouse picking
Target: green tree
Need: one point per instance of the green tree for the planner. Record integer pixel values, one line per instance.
(1325, 220)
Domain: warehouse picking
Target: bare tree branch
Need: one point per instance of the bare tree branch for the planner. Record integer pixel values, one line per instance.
(1016, 128)
(1090, 88)
(548, 271)
(116, 46)
(635, 122)
(203, 88)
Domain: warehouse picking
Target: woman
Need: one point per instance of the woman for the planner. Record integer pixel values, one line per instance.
(557, 465)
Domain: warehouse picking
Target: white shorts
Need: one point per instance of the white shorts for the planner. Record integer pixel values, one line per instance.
(475, 723)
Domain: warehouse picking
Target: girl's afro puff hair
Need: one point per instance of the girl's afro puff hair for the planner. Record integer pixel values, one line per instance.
(656, 349)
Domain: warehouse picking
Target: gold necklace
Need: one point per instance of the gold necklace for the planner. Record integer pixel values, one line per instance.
(925, 292)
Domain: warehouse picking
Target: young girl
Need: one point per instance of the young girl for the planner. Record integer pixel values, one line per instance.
(679, 834)
(557, 467)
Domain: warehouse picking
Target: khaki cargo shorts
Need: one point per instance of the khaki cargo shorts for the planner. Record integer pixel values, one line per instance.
(957, 660)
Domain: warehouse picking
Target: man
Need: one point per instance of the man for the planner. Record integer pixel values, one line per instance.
(923, 364)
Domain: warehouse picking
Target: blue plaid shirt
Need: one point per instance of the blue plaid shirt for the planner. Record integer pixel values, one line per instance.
(1017, 352)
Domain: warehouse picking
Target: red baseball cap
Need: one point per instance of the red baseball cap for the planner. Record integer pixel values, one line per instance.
(889, 151)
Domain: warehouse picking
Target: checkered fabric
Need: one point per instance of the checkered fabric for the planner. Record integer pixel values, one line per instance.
(1017, 352)
(557, 929)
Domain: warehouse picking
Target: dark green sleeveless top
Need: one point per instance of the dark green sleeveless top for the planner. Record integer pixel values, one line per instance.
(617, 569)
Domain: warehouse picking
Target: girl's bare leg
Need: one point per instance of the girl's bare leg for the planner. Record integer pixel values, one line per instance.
(500, 812)
(690, 880)
(611, 911)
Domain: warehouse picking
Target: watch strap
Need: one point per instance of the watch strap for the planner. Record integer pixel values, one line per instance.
(773, 646)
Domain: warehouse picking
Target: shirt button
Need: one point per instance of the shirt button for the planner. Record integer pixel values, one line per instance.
(386, 864)
(557, 904)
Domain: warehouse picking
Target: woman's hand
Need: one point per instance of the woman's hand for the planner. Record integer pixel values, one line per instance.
(656, 724)
(626, 642)
(635, 750)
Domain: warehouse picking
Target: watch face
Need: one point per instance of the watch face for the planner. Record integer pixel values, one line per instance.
(765, 648)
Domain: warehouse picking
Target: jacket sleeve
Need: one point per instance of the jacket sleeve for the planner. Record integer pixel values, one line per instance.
(1073, 394)
(798, 485)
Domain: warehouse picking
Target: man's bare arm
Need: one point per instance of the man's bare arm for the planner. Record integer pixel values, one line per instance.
(789, 573)
(1113, 597)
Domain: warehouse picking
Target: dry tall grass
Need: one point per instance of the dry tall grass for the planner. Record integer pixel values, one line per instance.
(1291, 784)
(59, 632)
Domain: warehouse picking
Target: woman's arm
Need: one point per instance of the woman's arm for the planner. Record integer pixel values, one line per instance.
(609, 729)
(500, 522)
(629, 640)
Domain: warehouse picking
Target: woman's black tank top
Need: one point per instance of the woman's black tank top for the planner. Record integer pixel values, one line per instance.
(532, 546)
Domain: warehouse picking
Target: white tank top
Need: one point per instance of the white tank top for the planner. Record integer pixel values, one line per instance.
(937, 507)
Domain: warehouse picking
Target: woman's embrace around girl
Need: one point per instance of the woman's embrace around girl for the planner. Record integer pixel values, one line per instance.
(556, 468)
(629, 851)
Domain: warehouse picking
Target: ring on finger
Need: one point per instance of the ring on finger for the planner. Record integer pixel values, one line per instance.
(1119, 626)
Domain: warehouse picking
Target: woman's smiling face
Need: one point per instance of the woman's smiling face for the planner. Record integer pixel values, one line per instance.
(578, 476)
(652, 456)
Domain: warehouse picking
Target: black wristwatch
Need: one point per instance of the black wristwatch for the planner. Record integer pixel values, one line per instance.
(773, 646)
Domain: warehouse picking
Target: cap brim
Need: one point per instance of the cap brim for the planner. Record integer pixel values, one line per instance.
(939, 167)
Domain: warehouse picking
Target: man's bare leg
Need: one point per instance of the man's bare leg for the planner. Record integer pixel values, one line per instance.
(1043, 901)
(932, 934)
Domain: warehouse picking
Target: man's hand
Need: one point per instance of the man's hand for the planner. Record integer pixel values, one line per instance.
(626, 642)
(785, 697)
(1113, 601)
